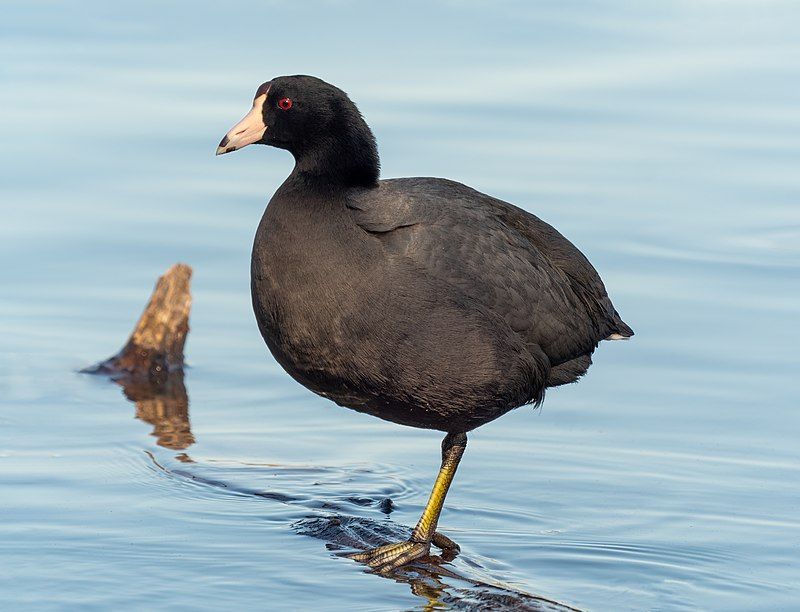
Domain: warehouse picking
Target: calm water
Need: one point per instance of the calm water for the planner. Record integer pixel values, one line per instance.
(663, 138)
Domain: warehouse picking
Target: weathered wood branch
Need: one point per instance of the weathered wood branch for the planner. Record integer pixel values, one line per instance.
(149, 368)
(155, 347)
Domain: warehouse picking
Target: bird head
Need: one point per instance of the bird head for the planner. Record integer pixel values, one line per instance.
(316, 122)
(294, 113)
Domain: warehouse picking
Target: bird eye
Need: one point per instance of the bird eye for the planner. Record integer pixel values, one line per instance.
(285, 103)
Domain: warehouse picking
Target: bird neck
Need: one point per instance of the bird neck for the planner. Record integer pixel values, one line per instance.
(347, 159)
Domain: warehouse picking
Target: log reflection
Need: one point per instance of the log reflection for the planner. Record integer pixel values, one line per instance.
(164, 404)
(149, 368)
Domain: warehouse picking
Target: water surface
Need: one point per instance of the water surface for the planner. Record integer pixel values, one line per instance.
(663, 139)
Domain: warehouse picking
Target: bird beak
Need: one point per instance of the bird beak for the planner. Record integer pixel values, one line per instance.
(249, 130)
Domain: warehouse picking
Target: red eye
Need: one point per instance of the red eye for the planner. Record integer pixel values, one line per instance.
(285, 103)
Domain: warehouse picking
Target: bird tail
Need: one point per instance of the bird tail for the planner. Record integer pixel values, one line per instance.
(621, 330)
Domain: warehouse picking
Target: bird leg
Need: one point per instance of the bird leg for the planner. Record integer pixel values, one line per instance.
(391, 556)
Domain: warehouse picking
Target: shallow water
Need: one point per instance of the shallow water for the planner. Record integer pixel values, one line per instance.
(664, 140)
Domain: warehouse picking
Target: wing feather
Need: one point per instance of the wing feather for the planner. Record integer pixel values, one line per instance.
(506, 259)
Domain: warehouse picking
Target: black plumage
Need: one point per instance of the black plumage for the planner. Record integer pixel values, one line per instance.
(417, 300)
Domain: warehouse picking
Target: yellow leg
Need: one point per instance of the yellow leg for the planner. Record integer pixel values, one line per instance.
(452, 450)
(391, 556)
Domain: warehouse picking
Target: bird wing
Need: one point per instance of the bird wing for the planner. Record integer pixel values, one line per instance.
(497, 254)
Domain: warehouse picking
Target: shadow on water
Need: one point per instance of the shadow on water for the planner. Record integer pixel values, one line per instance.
(164, 404)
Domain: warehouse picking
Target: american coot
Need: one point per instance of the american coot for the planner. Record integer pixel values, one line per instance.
(417, 300)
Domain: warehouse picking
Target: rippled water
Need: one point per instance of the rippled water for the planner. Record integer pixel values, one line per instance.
(664, 139)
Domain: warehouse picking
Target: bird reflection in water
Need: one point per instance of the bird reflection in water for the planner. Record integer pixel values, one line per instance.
(162, 401)
(430, 578)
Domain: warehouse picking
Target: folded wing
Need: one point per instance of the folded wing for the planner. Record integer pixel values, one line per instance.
(506, 259)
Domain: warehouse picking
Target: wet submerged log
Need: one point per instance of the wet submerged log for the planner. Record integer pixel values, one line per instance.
(155, 347)
(149, 368)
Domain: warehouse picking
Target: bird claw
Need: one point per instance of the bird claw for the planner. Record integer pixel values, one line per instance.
(386, 558)
(445, 544)
(389, 557)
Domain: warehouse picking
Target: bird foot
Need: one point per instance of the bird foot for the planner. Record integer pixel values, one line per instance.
(389, 557)
(386, 558)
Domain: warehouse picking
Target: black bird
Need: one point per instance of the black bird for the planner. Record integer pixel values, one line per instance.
(417, 300)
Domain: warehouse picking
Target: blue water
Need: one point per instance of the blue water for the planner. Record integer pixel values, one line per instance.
(662, 138)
